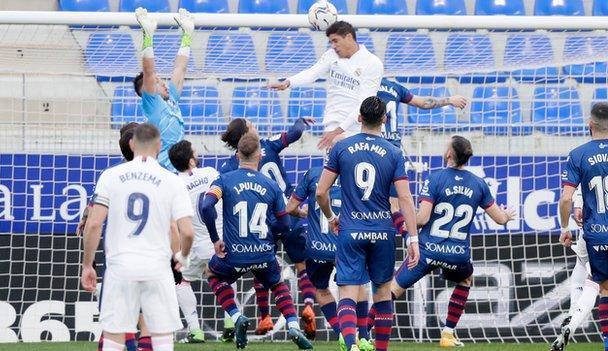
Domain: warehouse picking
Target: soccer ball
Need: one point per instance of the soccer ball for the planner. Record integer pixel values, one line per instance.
(322, 14)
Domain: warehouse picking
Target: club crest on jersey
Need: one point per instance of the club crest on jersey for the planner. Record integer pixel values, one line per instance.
(371, 236)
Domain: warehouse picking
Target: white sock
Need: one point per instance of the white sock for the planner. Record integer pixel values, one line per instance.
(577, 281)
(187, 303)
(162, 343)
(448, 330)
(293, 324)
(109, 345)
(585, 304)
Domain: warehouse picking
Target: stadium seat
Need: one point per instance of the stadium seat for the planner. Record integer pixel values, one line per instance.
(600, 8)
(531, 50)
(126, 107)
(465, 52)
(205, 6)
(150, 5)
(307, 102)
(231, 53)
(165, 50)
(600, 94)
(260, 105)
(84, 5)
(444, 118)
(500, 7)
(411, 55)
(109, 54)
(559, 8)
(557, 110)
(585, 48)
(441, 7)
(263, 6)
(382, 7)
(498, 110)
(201, 110)
(289, 52)
(341, 6)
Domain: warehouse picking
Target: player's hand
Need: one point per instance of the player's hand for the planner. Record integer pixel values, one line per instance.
(303, 213)
(328, 137)
(220, 248)
(88, 279)
(413, 255)
(578, 216)
(566, 238)
(510, 212)
(334, 226)
(279, 85)
(458, 101)
(185, 21)
(148, 25)
(182, 262)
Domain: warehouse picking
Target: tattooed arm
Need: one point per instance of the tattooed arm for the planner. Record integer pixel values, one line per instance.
(430, 102)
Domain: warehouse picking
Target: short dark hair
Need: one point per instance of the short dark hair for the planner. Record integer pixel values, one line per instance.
(146, 133)
(248, 146)
(138, 83)
(126, 134)
(341, 28)
(463, 150)
(234, 132)
(599, 112)
(372, 110)
(180, 154)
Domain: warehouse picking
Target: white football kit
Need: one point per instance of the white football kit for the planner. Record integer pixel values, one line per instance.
(580, 247)
(142, 198)
(198, 182)
(349, 82)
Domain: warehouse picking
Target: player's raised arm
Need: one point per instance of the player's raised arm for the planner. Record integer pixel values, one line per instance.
(186, 22)
(431, 102)
(148, 27)
(307, 76)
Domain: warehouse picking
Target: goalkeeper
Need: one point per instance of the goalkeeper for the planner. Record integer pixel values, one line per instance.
(159, 100)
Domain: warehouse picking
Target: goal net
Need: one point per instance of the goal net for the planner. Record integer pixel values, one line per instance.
(65, 90)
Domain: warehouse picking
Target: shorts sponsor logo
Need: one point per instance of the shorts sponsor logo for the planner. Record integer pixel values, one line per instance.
(370, 215)
(446, 249)
(444, 265)
(321, 246)
(241, 248)
(600, 248)
(253, 266)
(371, 236)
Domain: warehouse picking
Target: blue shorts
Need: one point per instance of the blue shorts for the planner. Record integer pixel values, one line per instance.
(267, 273)
(364, 255)
(294, 243)
(319, 272)
(455, 272)
(598, 260)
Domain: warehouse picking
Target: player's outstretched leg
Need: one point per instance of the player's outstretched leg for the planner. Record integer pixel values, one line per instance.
(308, 292)
(225, 297)
(187, 303)
(262, 302)
(284, 303)
(456, 307)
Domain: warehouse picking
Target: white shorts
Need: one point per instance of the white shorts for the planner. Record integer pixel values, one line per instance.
(580, 249)
(196, 268)
(122, 300)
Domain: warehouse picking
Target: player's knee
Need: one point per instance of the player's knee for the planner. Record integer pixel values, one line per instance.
(604, 288)
(383, 292)
(467, 281)
(300, 266)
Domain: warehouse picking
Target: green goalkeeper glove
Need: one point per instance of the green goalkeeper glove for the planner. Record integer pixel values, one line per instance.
(186, 22)
(148, 26)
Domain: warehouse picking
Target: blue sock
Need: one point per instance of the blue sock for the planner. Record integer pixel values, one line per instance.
(362, 312)
(347, 317)
(330, 313)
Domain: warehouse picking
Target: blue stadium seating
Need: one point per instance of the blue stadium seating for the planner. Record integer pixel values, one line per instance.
(411, 55)
(500, 7)
(444, 118)
(126, 107)
(263, 6)
(165, 50)
(531, 49)
(498, 110)
(206, 6)
(470, 51)
(109, 54)
(441, 7)
(231, 53)
(304, 5)
(559, 8)
(600, 8)
(289, 52)
(382, 7)
(583, 47)
(307, 102)
(260, 105)
(84, 5)
(201, 110)
(150, 5)
(557, 110)
(600, 94)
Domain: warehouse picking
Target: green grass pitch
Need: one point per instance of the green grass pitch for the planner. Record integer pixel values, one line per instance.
(284, 346)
